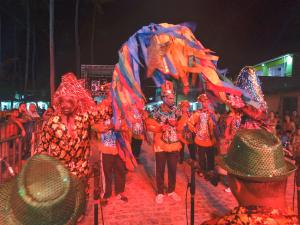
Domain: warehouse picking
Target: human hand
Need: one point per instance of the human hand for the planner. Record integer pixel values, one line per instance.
(172, 122)
(23, 133)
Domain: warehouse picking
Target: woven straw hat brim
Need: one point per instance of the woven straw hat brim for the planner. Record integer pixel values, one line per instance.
(6, 214)
(221, 161)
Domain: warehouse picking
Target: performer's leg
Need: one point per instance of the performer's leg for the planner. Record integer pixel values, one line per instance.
(120, 175)
(201, 158)
(160, 161)
(108, 161)
(172, 160)
(192, 151)
(136, 147)
(210, 153)
(181, 153)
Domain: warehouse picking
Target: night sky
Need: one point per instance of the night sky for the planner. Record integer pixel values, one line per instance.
(240, 32)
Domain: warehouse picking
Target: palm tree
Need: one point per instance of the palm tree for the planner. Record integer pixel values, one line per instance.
(93, 34)
(33, 60)
(27, 44)
(97, 10)
(77, 44)
(51, 47)
(0, 44)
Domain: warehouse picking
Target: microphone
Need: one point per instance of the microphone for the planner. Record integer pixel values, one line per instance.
(10, 169)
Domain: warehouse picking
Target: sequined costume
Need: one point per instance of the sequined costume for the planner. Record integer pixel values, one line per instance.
(230, 126)
(113, 165)
(164, 120)
(138, 131)
(202, 124)
(185, 135)
(256, 215)
(255, 111)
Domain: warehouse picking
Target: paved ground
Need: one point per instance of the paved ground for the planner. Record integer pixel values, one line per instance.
(141, 208)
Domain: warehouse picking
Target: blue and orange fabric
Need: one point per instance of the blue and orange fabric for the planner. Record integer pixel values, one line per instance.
(166, 51)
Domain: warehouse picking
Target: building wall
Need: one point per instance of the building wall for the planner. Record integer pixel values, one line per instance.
(275, 101)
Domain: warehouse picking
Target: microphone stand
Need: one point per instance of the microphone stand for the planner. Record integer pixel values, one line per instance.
(194, 168)
(96, 196)
(192, 192)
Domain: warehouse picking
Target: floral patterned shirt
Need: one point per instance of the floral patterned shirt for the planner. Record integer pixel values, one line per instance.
(69, 146)
(256, 215)
(169, 135)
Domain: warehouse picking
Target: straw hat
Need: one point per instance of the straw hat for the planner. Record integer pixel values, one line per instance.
(44, 193)
(256, 155)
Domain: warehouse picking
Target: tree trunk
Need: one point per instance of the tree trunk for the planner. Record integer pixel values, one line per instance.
(93, 34)
(51, 46)
(1, 50)
(77, 45)
(15, 56)
(27, 45)
(33, 61)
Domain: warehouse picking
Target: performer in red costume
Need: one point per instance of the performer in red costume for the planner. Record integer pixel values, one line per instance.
(111, 161)
(185, 135)
(163, 123)
(202, 124)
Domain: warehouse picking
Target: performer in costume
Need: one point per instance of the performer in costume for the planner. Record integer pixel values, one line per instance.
(113, 165)
(255, 113)
(185, 135)
(202, 124)
(65, 134)
(138, 132)
(163, 123)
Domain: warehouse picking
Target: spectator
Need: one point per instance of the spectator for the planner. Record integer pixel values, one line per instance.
(33, 111)
(16, 126)
(48, 113)
(258, 175)
(272, 121)
(27, 121)
(296, 144)
(288, 125)
(295, 118)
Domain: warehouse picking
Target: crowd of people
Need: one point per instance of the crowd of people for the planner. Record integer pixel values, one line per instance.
(208, 134)
(24, 122)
